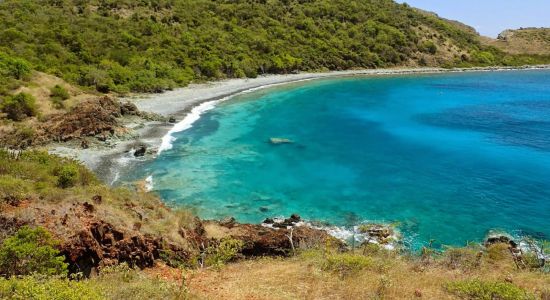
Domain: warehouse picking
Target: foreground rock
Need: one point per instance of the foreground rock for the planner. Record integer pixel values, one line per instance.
(89, 242)
(267, 241)
(95, 233)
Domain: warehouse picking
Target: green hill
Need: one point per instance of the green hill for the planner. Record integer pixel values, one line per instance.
(150, 46)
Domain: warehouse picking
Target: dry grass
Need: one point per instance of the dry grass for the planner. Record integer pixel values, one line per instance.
(524, 41)
(389, 277)
(39, 86)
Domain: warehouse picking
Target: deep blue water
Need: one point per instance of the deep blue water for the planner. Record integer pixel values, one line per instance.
(448, 157)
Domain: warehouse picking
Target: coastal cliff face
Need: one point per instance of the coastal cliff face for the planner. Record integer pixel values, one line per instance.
(98, 227)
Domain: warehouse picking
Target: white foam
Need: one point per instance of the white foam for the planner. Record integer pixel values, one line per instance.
(198, 110)
(186, 123)
(149, 183)
(347, 235)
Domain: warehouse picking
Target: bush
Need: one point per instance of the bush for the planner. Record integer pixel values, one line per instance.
(343, 264)
(428, 47)
(14, 67)
(487, 290)
(12, 188)
(221, 254)
(498, 252)
(462, 258)
(67, 176)
(346, 263)
(19, 106)
(58, 94)
(33, 287)
(31, 250)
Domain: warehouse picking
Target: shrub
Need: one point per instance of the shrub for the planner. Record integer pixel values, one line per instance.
(14, 67)
(219, 255)
(51, 288)
(67, 176)
(487, 290)
(498, 252)
(58, 94)
(345, 263)
(31, 250)
(12, 188)
(463, 258)
(19, 106)
(428, 47)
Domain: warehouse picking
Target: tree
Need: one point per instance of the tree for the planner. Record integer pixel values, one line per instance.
(31, 250)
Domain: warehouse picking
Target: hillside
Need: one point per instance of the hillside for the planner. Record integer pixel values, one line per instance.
(524, 40)
(144, 46)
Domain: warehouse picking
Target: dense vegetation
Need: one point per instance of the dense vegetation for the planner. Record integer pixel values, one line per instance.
(148, 46)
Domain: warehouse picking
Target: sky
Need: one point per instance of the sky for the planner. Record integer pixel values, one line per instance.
(490, 17)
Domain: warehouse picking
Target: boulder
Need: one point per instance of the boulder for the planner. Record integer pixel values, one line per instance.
(140, 151)
(172, 120)
(84, 144)
(500, 239)
(295, 218)
(268, 221)
(228, 222)
(129, 108)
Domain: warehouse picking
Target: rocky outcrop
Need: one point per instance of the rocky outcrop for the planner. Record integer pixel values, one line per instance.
(87, 241)
(500, 239)
(262, 240)
(100, 244)
(90, 118)
(96, 117)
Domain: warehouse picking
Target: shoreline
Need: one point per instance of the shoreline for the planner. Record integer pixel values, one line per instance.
(187, 104)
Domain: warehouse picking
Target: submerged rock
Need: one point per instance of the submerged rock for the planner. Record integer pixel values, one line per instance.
(278, 141)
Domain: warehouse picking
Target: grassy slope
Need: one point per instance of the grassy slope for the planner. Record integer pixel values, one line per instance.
(527, 40)
(34, 181)
(375, 275)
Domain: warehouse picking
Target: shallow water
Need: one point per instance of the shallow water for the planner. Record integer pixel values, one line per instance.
(448, 157)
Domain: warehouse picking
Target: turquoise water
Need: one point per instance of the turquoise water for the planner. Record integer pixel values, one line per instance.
(448, 157)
